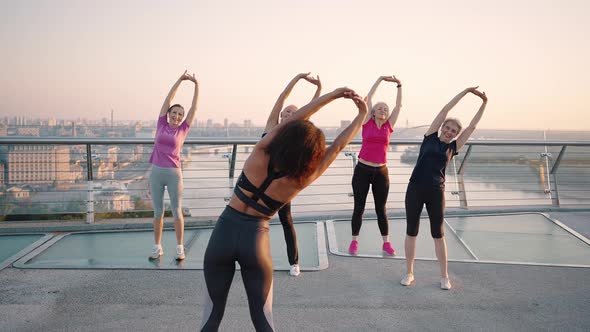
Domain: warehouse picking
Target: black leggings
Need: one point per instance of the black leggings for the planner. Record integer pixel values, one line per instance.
(434, 198)
(290, 235)
(242, 238)
(378, 178)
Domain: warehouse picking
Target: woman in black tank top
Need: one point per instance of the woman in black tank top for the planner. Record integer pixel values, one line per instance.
(296, 152)
(427, 183)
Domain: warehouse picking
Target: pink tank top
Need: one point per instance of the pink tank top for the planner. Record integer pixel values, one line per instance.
(375, 142)
(168, 143)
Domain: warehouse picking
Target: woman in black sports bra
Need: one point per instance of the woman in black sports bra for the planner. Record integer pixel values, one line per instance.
(288, 159)
(278, 112)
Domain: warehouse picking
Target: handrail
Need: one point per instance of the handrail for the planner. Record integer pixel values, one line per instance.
(486, 175)
(253, 140)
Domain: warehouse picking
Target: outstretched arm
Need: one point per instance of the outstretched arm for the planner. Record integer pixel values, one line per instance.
(398, 101)
(273, 118)
(345, 136)
(313, 106)
(442, 115)
(307, 111)
(395, 111)
(371, 93)
(190, 117)
(373, 90)
(170, 96)
(462, 139)
(315, 81)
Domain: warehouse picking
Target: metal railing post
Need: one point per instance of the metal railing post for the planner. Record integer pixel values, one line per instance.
(232, 161)
(354, 161)
(353, 155)
(461, 182)
(90, 183)
(555, 198)
(232, 168)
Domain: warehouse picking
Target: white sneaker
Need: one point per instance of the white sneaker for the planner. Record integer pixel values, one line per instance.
(445, 283)
(156, 252)
(179, 252)
(294, 271)
(407, 280)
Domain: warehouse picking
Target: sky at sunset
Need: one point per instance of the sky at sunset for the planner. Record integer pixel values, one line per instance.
(71, 59)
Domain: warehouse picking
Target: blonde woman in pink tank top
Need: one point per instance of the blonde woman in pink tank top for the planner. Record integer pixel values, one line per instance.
(371, 169)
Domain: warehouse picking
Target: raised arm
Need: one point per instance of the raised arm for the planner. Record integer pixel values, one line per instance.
(464, 136)
(315, 81)
(307, 111)
(190, 117)
(345, 136)
(170, 96)
(398, 101)
(313, 106)
(395, 112)
(273, 118)
(442, 115)
(372, 93)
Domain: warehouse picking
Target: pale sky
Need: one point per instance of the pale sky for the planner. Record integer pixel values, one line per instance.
(71, 58)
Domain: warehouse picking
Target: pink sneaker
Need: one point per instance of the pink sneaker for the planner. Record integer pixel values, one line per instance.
(388, 248)
(354, 247)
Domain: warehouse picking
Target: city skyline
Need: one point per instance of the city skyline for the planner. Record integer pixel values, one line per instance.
(70, 59)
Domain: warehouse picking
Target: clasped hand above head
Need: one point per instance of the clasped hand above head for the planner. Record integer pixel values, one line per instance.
(348, 93)
(313, 80)
(391, 78)
(187, 77)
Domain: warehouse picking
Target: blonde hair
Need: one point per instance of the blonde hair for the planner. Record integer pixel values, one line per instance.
(375, 106)
(454, 120)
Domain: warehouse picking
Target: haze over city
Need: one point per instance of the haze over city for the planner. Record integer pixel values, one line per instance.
(79, 59)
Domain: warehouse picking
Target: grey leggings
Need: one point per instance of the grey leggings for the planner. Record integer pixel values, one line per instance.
(170, 178)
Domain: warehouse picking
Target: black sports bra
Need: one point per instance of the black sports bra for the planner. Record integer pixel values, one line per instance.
(272, 206)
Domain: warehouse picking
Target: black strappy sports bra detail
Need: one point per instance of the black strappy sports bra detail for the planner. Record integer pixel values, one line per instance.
(272, 206)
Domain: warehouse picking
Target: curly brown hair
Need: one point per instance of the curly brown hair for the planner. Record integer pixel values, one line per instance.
(297, 149)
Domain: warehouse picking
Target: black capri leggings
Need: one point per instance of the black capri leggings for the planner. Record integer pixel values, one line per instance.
(378, 178)
(241, 238)
(434, 198)
(290, 235)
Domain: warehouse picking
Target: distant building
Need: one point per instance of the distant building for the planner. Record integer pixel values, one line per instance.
(33, 164)
(106, 168)
(18, 193)
(116, 200)
(28, 131)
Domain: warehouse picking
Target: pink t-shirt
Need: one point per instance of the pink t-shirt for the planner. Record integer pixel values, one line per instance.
(168, 143)
(375, 142)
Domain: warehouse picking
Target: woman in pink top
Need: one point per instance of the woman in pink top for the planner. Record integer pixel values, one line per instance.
(165, 159)
(371, 168)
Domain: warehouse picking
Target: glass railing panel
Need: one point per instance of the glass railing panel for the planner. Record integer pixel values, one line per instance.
(206, 178)
(573, 176)
(42, 181)
(49, 181)
(504, 176)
